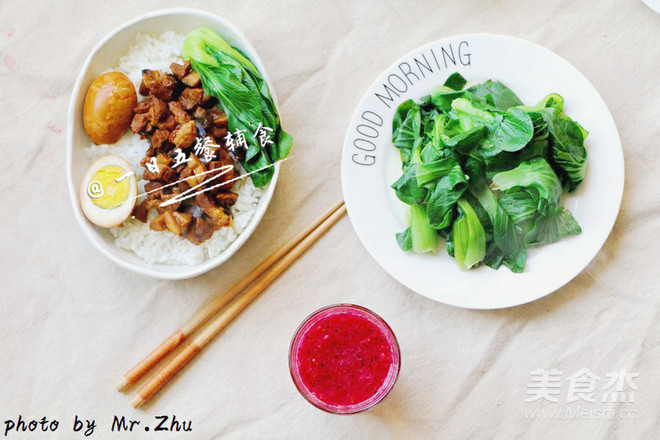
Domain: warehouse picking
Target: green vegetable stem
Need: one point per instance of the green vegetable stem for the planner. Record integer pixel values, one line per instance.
(469, 237)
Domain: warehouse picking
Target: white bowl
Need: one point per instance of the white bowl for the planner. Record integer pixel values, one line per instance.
(105, 55)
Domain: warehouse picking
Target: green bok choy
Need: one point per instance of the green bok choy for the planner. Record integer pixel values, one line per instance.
(486, 172)
(228, 75)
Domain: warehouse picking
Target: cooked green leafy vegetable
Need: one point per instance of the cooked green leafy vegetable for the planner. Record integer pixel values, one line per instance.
(228, 75)
(486, 172)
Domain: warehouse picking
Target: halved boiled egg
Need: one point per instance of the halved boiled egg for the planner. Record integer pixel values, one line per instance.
(108, 192)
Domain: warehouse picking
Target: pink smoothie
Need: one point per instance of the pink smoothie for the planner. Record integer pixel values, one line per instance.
(344, 359)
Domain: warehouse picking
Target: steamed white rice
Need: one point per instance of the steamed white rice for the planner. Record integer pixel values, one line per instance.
(157, 52)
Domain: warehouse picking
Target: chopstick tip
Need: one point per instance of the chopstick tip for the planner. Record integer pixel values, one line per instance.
(122, 383)
(137, 401)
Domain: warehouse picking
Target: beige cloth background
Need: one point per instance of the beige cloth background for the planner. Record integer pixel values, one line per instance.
(71, 321)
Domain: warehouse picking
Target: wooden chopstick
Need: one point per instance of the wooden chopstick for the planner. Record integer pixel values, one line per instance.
(133, 375)
(169, 370)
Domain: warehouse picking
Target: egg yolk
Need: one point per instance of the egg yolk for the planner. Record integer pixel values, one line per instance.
(104, 188)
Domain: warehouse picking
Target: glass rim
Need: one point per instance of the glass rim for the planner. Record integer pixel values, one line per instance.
(388, 383)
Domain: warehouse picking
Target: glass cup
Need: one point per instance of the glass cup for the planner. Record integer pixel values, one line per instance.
(335, 343)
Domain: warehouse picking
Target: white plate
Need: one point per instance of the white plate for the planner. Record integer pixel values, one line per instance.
(653, 4)
(105, 55)
(370, 164)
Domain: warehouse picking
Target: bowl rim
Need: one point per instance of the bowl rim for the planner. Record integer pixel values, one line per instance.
(89, 231)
